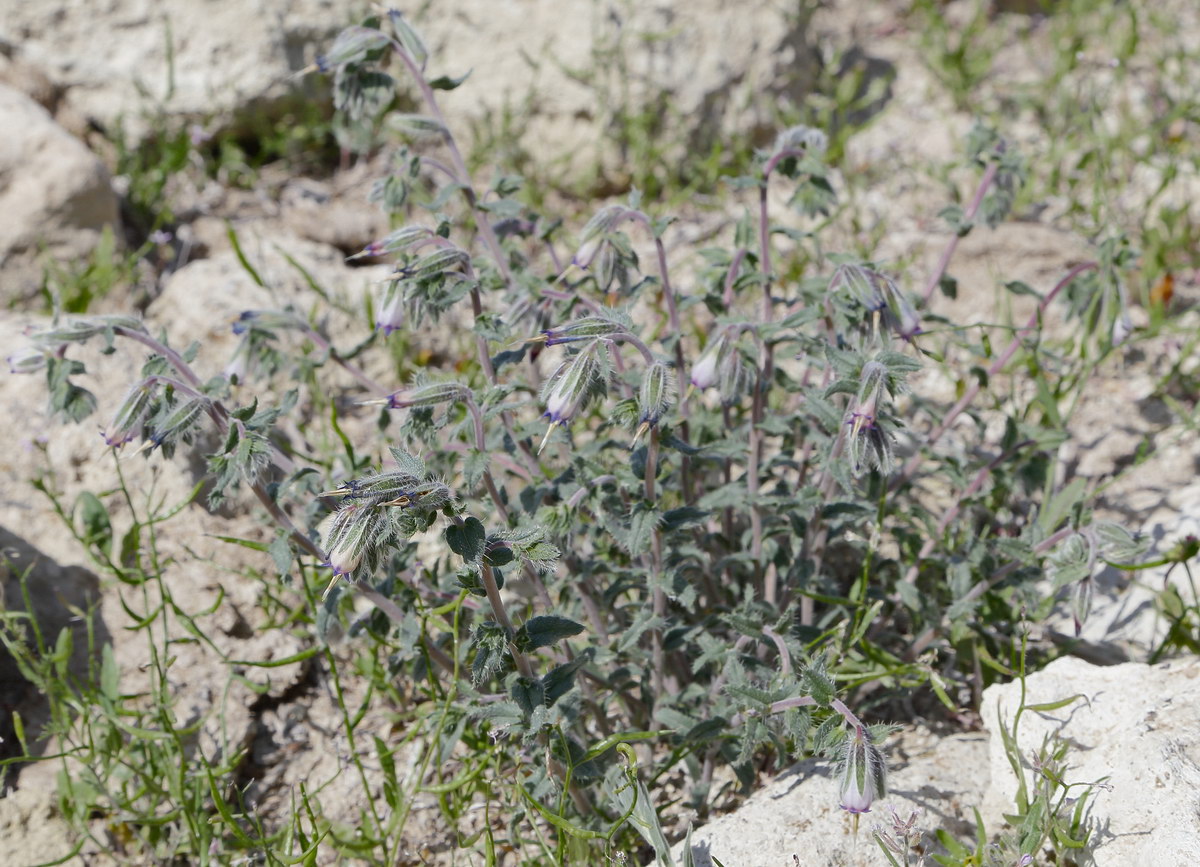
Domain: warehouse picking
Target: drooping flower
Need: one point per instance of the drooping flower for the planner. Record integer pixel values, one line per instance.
(706, 372)
(863, 773)
(26, 360)
(593, 235)
(580, 329)
(348, 535)
(879, 295)
(389, 315)
(568, 388)
(654, 397)
(868, 443)
(429, 394)
(127, 420)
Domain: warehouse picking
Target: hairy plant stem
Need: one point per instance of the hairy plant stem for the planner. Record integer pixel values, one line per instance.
(659, 602)
(685, 464)
(482, 224)
(951, 512)
(459, 165)
(350, 367)
(926, 638)
(498, 609)
(765, 374)
(913, 463)
(816, 536)
(944, 262)
(221, 418)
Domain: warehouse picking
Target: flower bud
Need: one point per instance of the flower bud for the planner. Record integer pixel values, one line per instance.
(408, 38)
(127, 421)
(567, 390)
(437, 262)
(736, 378)
(389, 315)
(879, 294)
(427, 497)
(424, 395)
(178, 420)
(352, 46)
(863, 773)
(655, 396)
(901, 316)
(398, 241)
(416, 126)
(82, 328)
(862, 284)
(802, 137)
(374, 490)
(264, 320)
(868, 444)
(26, 360)
(592, 235)
(582, 329)
(705, 372)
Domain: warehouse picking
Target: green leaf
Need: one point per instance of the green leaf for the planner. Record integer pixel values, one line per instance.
(544, 630)
(1061, 504)
(1017, 287)
(407, 463)
(1054, 705)
(445, 82)
(467, 539)
(241, 256)
(281, 553)
(475, 464)
(642, 523)
(245, 413)
(110, 675)
(97, 529)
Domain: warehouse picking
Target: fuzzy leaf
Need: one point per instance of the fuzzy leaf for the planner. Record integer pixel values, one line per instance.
(544, 630)
(467, 539)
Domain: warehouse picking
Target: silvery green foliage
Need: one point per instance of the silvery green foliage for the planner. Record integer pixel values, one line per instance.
(601, 556)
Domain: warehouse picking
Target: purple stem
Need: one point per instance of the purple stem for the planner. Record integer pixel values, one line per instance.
(948, 254)
(972, 390)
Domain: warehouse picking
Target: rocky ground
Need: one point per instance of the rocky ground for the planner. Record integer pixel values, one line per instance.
(62, 103)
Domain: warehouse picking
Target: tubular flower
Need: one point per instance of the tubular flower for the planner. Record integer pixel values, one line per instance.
(422, 395)
(26, 360)
(389, 316)
(567, 390)
(581, 329)
(655, 397)
(868, 444)
(398, 241)
(706, 371)
(127, 421)
(349, 534)
(593, 234)
(863, 773)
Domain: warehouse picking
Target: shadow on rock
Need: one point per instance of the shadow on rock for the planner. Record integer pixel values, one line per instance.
(61, 598)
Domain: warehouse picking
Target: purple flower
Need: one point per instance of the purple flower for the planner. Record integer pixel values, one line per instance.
(26, 360)
(706, 370)
(863, 773)
(389, 316)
